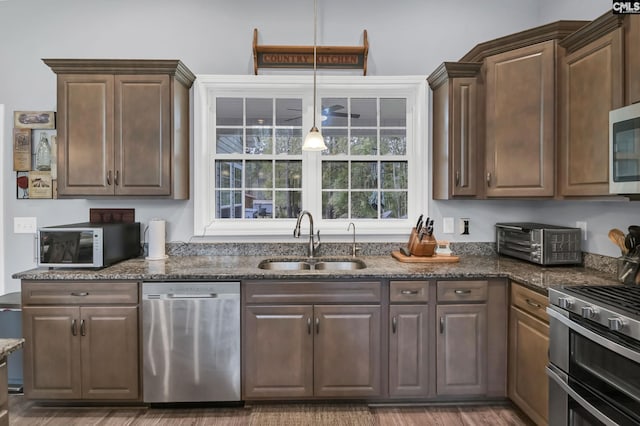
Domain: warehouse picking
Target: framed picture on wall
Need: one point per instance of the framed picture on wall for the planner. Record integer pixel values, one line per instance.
(34, 119)
(21, 149)
(40, 184)
(22, 185)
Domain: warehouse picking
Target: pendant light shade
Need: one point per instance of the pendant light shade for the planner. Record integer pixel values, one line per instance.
(314, 140)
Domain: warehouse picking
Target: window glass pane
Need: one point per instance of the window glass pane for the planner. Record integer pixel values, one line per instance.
(289, 141)
(364, 112)
(288, 174)
(259, 205)
(393, 142)
(229, 174)
(288, 204)
(335, 175)
(228, 204)
(336, 141)
(259, 174)
(393, 112)
(364, 175)
(364, 205)
(259, 112)
(289, 112)
(229, 111)
(394, 205)
(334, 112)
(228, 141)
(259, 141)
(364, 142)
(335, 205)
(393, 175)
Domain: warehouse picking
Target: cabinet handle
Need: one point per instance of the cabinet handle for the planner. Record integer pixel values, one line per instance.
(534, 304)
(441, 325)
(317, 325)
(74, 327)
(394, 324)
(409, 292)
(309, 325)
(117, 177)
(83, 328)
(457, 178)
(489, 179)
(109, 178)
(462, 291)
(82, 294)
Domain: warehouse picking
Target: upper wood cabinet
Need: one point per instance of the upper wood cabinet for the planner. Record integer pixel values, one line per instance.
(456, 142)
(123, 128)
(520, 122)
(591, 84)
(632, 58)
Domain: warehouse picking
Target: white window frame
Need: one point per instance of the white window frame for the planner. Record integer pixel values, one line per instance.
(206, 87)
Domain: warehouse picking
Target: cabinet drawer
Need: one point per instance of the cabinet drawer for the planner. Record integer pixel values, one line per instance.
(312, 292)
(79, 293)
(530, 301)
(462, 291)
(409, 291)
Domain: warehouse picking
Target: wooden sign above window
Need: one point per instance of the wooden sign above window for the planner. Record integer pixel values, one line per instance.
(342, 57)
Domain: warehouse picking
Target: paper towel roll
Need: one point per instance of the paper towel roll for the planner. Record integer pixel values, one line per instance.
(156, 239)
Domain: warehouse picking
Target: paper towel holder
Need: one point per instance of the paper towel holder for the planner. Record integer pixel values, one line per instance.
(159, 239)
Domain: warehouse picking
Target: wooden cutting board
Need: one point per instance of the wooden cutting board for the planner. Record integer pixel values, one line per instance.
(424, 259)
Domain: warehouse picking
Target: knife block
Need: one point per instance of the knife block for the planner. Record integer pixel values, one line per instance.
(426, 247)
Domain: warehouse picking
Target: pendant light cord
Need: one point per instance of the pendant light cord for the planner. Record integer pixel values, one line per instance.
(315, 31)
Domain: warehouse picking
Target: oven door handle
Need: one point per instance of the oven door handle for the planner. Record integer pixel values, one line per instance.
(580, 400)
(595, 337)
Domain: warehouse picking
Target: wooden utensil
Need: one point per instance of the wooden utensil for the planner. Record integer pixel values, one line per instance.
(618, 237)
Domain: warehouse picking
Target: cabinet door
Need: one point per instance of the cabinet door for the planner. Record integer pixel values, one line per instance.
(462, 350)
(277, 352)
(464, 137)
(142, 135)
(632, 58)
(109, 348)
(591, 85)
(528, 358)
(408, 354)
(520, 111)
(51, 352)
(347, 351)
(85, 135)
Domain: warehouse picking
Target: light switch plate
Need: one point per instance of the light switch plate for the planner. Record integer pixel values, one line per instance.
(583, 226)
(25, 225)
(447, 225)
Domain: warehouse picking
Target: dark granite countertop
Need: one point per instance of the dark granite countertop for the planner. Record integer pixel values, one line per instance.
(177, 268)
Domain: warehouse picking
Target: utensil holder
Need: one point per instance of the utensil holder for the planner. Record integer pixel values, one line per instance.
(426, 247)
(628, 268)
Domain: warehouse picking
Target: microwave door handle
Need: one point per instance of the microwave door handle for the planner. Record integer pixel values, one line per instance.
(579, 399)
(594, 337)
(36, 246)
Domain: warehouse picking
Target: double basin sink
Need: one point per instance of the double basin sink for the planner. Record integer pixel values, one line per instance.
(318, 264)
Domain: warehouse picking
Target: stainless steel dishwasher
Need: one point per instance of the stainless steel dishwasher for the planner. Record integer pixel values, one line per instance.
(191, 341)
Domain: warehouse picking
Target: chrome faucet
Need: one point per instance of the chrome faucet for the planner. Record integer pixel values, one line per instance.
(313, 245)
(354, 248)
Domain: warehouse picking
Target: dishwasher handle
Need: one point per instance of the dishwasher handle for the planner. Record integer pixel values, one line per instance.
(192, 296)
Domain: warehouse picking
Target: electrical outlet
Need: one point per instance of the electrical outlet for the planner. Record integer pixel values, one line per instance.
(583, 226)
(25, 225)
(463, 226)
(447, 225)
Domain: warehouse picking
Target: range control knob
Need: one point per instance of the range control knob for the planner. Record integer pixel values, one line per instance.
(588, 312)
(565, 302)
(616, 324)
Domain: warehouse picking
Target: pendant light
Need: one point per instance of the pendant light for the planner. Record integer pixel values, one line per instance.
(314, 140)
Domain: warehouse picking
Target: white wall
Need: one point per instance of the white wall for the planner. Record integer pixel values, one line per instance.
(407, 37)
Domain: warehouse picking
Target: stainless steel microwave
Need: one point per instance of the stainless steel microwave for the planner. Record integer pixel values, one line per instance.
(624, 150)
(87, 245)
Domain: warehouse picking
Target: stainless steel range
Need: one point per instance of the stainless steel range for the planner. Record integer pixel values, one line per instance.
(594, 355)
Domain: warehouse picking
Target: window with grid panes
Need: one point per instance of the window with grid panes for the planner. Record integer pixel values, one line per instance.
(256, 179)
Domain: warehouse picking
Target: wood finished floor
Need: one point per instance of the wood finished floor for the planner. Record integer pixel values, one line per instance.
(23, 413)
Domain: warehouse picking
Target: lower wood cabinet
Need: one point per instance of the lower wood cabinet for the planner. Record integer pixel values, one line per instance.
(528, 353)
(311, 350)
(77, 351)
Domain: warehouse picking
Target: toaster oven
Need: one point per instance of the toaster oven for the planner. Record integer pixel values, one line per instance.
(540, 243)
